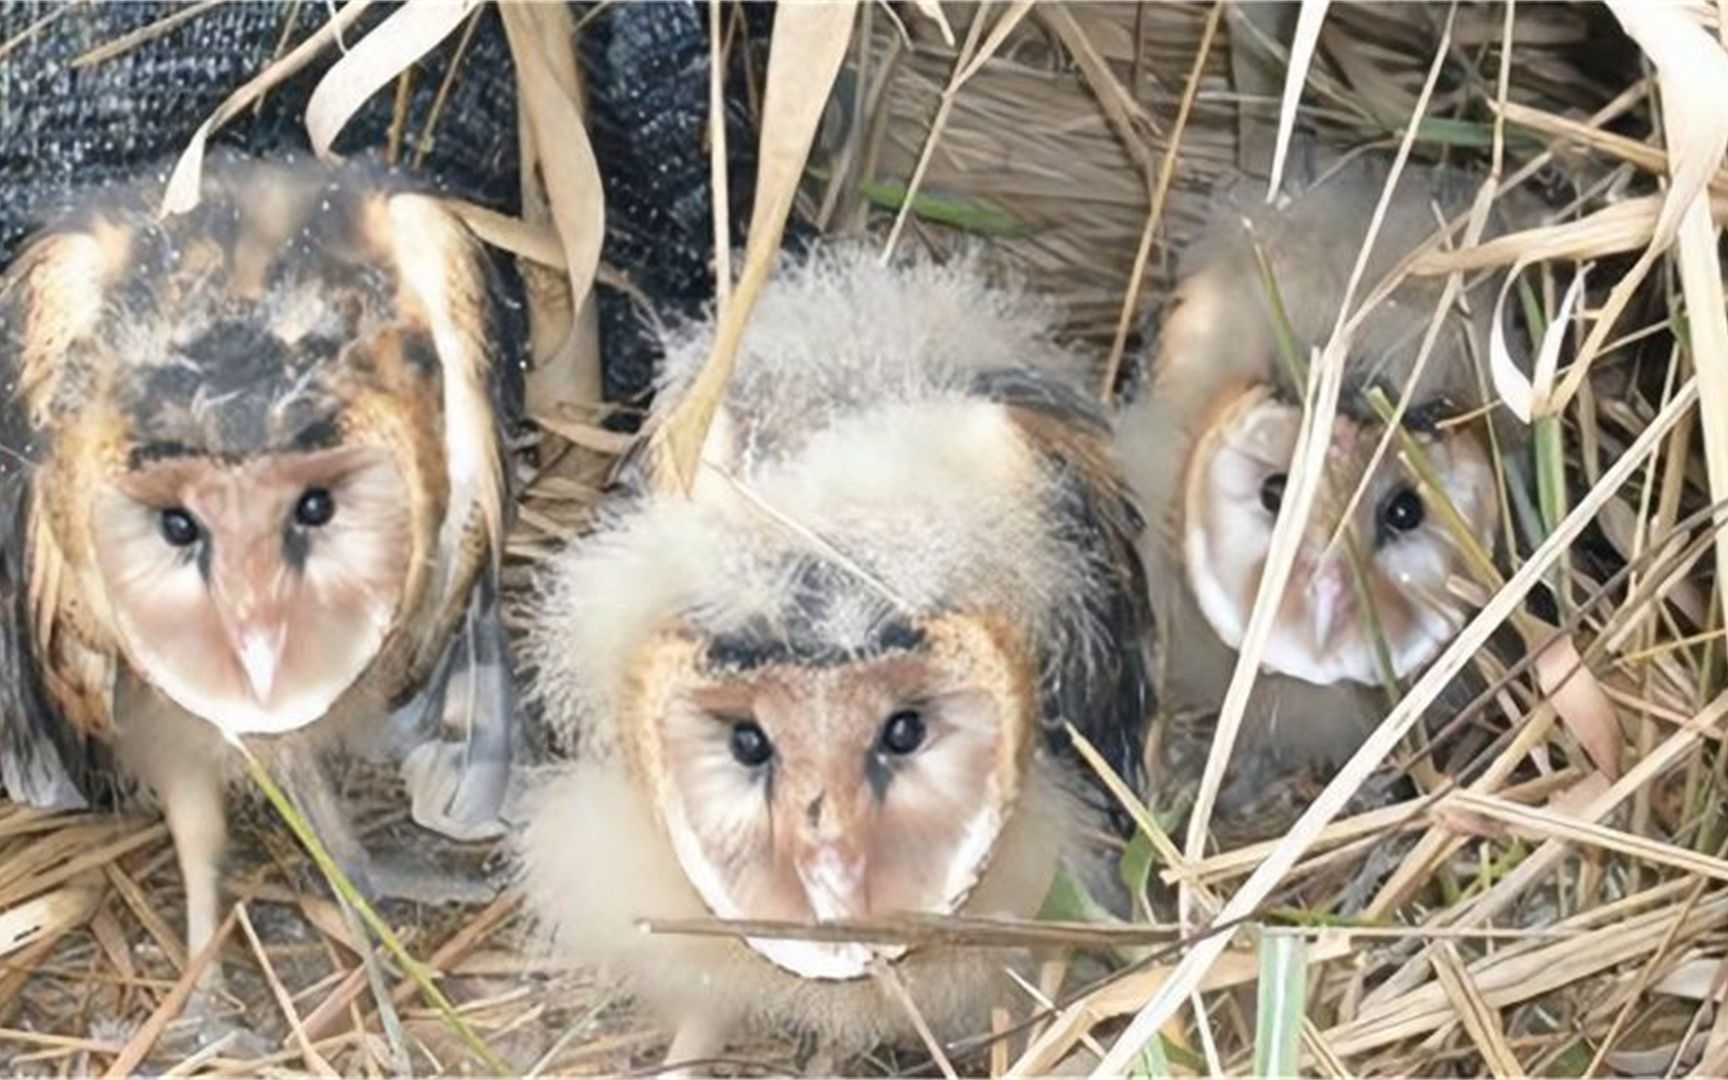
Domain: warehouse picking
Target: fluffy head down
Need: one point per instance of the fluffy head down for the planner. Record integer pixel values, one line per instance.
(1209, 444)
(261, 430)
(1325, 628)
(826, 673)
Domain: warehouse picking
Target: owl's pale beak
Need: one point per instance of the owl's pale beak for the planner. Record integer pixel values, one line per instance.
(260, 653)
(830, 863)
(1329, 599)
(249, 602)
(832, 873)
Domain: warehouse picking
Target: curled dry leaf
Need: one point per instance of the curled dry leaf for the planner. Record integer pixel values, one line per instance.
(1581, 702)
(804, 58)
(1308, 22)
(1529, 397)
(390, 49)
(185, 182)
(1695, 979)
(1624, 226)
(554, 117)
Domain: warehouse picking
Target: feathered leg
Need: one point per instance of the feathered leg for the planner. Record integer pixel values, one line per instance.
(180, 758)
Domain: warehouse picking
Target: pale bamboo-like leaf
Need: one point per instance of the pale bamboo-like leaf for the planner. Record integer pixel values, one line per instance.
(804, 58)
(1621, 227)
(1529, 397)
(1282, 1003)
(1707, 321)
(185, 183)
(1522, 974)
(539, 36)
(1308, 22)
(932, 10)
(1579, 830)
(391, 48)
(1691, 69)
(1581, 702)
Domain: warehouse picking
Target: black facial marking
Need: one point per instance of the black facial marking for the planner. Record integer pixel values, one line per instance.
(813, 812)
(878, 771)
(157, 450)
(296, 547)
(234, 391)
(323, 433)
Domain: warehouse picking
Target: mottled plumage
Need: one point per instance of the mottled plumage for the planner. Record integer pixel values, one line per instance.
(1208, 445)
(833, 682)
(250, 477)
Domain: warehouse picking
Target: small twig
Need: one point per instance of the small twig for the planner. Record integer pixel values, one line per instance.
(138, 1047)
(314, 1060)
(125, 43)
(889, 979)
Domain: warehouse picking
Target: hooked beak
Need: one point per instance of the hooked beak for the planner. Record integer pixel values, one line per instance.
(259, 650)
(829, 861)
(1329, 599)
(833, 877)
(249, 602)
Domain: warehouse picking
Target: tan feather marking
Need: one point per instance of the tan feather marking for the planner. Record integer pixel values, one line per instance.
(63, 281)
(443, 284)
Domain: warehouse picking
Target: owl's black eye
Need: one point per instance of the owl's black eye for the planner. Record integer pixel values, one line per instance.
(750, 745)
(316, 507)
(902, 733)
(178, 526)
(1272, 492)
(1403, 511)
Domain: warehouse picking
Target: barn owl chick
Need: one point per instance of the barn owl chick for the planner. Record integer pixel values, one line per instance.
(1209, 446)
(831, 684)
(250, 480)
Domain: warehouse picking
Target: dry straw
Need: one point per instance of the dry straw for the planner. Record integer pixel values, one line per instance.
(1529, 912)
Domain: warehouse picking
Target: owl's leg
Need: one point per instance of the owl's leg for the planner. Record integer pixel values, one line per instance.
(181, 759)
(309, 783)
(457, 788)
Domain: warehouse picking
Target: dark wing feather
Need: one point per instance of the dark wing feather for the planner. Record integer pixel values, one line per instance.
(1098, 672)
(44, 760)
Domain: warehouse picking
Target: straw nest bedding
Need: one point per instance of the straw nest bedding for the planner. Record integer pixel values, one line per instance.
(1451, 934)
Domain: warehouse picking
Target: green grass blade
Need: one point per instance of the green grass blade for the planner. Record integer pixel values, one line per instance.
(1283, 1001)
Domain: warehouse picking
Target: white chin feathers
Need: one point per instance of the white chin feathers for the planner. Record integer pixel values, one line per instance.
(256, 692)
(826, 894)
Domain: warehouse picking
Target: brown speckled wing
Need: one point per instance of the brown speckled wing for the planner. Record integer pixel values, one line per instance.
(48, 715)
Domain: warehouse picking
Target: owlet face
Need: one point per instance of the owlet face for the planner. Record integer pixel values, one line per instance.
(254, 593)
(847, 790)
(1323, 633)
